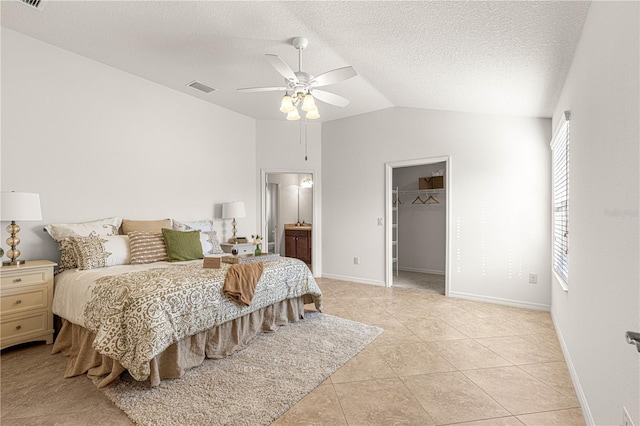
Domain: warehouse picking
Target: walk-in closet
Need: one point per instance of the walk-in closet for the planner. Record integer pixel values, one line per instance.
(418, 241)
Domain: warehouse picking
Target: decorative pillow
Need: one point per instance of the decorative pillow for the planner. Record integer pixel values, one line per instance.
(101, 251)
(182, 245)
(67, 256)
(200, 225)
(61, 232)
(147, 247)
(210, 243)
(153, 226)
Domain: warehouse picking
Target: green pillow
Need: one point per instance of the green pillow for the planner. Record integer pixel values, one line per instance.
(182, 245)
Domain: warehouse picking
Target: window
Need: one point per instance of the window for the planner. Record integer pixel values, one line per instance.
(560, 190)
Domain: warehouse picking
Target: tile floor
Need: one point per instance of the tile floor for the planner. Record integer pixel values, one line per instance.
(439, 361)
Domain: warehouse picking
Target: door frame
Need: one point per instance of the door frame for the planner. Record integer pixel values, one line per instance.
(388, 196)
(315, 214)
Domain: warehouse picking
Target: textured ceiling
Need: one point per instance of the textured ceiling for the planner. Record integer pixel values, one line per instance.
(493, 57)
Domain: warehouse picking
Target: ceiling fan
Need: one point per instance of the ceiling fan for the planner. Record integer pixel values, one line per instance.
(300, 87)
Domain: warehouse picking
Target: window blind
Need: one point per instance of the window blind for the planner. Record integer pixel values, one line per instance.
(560, 190)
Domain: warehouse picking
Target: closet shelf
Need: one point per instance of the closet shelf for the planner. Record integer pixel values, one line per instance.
(422, 191)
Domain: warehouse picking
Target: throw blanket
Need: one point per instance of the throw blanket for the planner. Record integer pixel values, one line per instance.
(241, 281)
(137, 315)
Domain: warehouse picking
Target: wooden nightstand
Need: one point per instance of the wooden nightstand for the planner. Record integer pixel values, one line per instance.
(26, 294)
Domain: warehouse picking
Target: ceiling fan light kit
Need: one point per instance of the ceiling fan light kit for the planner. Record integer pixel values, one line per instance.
(300, 85)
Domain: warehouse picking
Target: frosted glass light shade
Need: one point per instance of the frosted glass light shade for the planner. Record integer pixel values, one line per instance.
(308, 104)
(233, 210)
(287, 104)
(313, 114)
(20, 206)
(293, 115)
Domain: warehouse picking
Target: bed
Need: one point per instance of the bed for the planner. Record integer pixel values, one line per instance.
(158, 319)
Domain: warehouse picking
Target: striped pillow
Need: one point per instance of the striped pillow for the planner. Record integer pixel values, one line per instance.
(147, 247)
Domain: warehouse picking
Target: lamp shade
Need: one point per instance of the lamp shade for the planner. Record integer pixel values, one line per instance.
(233, 210)
(20, 206)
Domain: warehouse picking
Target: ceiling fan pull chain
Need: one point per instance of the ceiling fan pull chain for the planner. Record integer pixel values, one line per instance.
(306, 139)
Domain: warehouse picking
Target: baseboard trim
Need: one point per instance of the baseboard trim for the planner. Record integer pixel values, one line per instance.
(500, 301)
(423, 271)
(354, 279)
(586, 411)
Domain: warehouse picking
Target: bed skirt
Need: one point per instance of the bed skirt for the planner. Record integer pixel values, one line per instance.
(218, 342)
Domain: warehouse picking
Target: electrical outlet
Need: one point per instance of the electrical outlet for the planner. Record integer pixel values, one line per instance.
(356, 260)
(626, 418)
(533, 278)
(379, 221)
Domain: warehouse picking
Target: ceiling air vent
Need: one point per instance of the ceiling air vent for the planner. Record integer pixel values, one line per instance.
(201, 87)
(36, 4)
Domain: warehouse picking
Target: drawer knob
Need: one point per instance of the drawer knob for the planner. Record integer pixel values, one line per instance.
(19, 301)
(18, 327)
(17, 280)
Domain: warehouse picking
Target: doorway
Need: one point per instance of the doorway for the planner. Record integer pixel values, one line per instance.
(288, 208)
(417, 233)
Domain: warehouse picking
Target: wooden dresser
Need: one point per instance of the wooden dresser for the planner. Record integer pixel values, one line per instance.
(26, 294)
(297, 242)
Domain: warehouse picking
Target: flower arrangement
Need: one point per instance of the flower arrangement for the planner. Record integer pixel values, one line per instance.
(257, 241)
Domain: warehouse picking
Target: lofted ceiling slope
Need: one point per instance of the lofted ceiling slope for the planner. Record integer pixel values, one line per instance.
(497, 57)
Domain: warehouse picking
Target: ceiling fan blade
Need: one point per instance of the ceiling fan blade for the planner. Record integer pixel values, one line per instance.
(261, 89)
(334, 76)
(281, 67)
(330, 98)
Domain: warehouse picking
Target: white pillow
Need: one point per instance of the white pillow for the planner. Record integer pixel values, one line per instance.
(100, 251)
(60, 231)
(210, 243)
(200, 225)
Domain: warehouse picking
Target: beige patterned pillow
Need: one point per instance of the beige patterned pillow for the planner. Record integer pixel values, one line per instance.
(95, 251)
(210, 243)
(67, 256)
(61, 232)
(147, 247)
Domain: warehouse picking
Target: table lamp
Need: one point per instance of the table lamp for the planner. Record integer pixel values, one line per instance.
(18, 206)
(233, 210)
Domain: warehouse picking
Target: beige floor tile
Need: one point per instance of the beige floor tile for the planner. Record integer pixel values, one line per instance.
(411, 359)
(467, 354)
(395, 334)
(479, 327)
(320, 407)
(367, 365)
(434, 330)
(380, 402)
(453, 398)
(571, 417)
(500, 421)
(517, 391)
(554, 374)
(518, 350)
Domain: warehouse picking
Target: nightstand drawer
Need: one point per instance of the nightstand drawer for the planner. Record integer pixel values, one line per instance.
(24, 300)
(19, 278)
(27, 324)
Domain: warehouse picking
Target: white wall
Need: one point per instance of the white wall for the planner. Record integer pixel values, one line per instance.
(602, 93)
(421, 227)
(97, 142)
(281, 148)
(499, 188)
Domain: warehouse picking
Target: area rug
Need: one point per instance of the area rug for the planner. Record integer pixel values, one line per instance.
(254, 386)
